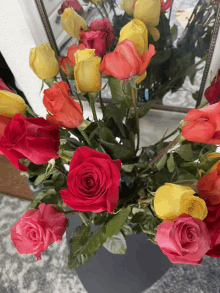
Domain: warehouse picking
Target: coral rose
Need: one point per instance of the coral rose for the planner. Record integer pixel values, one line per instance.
(204, 125)
(37, 229)
(58, 101)
(124, 62)
(92, 182)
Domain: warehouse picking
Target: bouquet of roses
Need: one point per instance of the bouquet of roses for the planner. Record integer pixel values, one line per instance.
(169, 190)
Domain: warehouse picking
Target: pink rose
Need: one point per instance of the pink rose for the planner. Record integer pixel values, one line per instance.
(104, 26)
(184, 240)
(70, 3)
(37, 229)
(94, 40)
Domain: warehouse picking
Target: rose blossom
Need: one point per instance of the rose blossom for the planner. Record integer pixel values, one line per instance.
(204, 125)
(212, 93)
(184, 240)
(37, 229)
(92, 182)
(32, 138)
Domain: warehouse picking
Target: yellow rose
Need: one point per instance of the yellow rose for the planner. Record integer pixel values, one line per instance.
(135, 31)
(193, 206)
(167, 200)
(72, 22)
(86, 71)
(11, 104)
(126, 5)
(147, 11)
(43, 61)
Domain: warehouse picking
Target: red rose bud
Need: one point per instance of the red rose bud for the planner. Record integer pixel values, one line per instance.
(4, 87)
(93, 182)
(58, 101)
(124, 62)
(37, 229)
(94, 40)
(165, 5)
(212, 222)
(32, 138)
(104, 26)
(70, 3)
(208, 187)
(62, 62)
(204, 125)
(212, 93)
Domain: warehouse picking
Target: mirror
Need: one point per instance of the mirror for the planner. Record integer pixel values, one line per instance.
(175, 73)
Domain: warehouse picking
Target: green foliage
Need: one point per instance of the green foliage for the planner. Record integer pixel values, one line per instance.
(116, 244)
(114, 226)
(95, 240)
(50, 196)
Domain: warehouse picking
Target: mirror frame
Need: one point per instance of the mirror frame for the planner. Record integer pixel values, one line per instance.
(45, 20)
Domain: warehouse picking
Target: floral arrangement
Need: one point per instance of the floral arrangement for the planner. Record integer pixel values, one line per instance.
(168, 190)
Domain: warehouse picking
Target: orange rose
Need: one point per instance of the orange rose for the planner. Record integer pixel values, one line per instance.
(58, 101)
(124, 62)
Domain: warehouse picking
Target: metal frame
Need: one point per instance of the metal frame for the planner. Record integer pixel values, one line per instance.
(52, 41)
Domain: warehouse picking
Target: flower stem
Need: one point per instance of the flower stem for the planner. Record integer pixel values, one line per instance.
(71, 212)
(203, 104)
(31, 112)
(92, 105)
(172, 133)
(158, 156)
(101, 102)
(85, 136)
(137, 120)
(83, 219)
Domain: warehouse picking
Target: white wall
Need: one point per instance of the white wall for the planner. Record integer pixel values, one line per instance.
(16, 42)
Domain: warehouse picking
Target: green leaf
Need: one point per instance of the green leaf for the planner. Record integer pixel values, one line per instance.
(114, 226)
(118, 151)
(144, 109)
(185, 152)
(126, 230)
(161, 162)
(48, 172)
(84, 124)
(161, 57)
(128, 168)
(58, 180)
(34, 170)
(117, 93)
(171, 163)
(79, 259)
(78, 240)
(106, 134)
(113, 111)
(49, 196)
(99, 218)
(186, 182)
(95, 241)
(116, 244)
(174, 32)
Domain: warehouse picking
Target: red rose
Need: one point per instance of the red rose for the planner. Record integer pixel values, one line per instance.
(31, 138)
(212, 93)
(104, 26)
(37, 229)
(184, 240)
(164, 6)
(3, 122)
(4, 87)
(70, 59)
(204, 125)
(212, 222)
(70, 3)
(92, 182)
(208, 187)
(58, 101)
(124, 62)
(94, 40)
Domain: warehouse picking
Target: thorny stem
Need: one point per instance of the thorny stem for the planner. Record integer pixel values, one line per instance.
(136, 117)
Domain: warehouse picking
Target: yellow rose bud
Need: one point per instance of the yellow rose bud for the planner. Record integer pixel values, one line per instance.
(72, 22)
(126, 5)
(213, 155)
(141, 77)
(147, 11)
(193, 206)
(86, 71)
(43, 61)
(11, 104)
(167, 200)
(135, 31)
